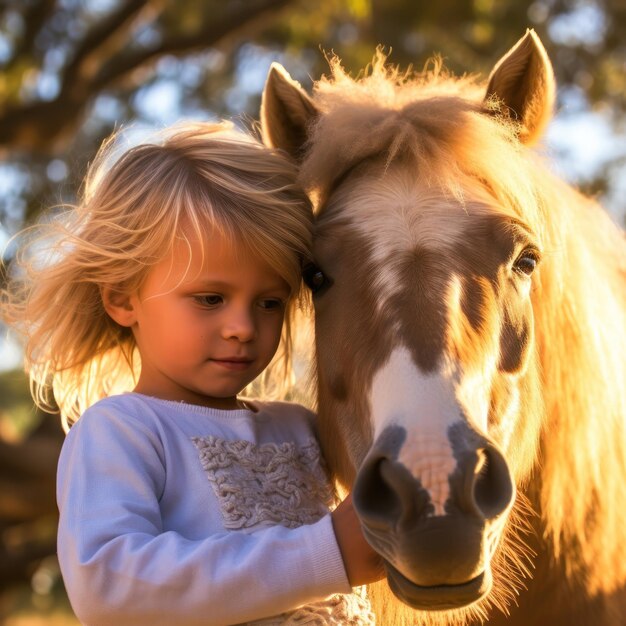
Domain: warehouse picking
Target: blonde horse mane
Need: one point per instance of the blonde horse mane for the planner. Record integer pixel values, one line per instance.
(453, 135)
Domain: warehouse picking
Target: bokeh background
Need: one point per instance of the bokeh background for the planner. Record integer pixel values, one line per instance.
(71, 71)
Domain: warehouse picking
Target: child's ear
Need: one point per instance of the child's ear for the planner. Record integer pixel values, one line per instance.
(118, 305)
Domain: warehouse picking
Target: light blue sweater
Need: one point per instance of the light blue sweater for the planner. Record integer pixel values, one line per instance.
(180, 514)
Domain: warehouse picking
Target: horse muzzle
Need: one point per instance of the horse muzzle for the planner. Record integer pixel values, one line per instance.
(435, 560)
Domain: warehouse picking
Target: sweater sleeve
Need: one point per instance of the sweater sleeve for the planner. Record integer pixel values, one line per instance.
(121, 567)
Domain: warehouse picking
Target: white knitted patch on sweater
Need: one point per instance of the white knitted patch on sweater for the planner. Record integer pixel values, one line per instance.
(279, 483)
(267, 484)
(338, 610)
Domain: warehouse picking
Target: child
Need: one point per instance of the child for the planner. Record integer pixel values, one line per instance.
(181, 502)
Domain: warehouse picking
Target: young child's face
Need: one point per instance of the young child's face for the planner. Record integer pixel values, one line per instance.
(205, 328)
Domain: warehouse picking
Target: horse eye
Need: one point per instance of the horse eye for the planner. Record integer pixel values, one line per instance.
(314, 278)
(527, 262)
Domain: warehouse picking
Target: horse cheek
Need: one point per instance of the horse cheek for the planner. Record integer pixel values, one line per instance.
(344, 433)
(516, 339)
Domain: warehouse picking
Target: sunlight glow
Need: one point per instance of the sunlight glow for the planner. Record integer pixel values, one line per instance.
(10, 353)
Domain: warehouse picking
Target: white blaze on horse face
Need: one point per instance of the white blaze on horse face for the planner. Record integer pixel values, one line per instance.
(425, 406)
(475, 382)
(396, 213)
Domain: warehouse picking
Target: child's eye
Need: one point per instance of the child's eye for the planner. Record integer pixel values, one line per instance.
(209, 299)
(271, 304)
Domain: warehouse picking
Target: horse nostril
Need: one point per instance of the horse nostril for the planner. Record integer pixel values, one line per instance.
(385, 493)
(491, 487)
(374, 499)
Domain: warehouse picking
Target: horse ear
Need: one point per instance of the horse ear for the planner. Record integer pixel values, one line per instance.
(523, 80)
(286, 112)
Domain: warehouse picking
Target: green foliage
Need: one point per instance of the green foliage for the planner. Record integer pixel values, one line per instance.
(18, 415)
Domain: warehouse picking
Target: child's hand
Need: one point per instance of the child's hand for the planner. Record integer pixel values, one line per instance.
(363, 565)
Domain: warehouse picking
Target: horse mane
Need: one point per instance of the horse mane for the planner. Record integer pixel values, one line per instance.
(444, 126)
(580, 313)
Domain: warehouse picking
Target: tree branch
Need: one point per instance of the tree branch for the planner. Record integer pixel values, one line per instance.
(208, 35)
(34, 17)
(45, 127)
(99, 37)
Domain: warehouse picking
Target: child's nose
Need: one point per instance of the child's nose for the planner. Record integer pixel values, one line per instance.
(239, 325)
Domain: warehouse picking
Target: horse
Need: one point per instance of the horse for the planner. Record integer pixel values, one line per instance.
(470, 340)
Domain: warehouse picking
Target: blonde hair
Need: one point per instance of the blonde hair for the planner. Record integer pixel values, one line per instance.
(202, 176)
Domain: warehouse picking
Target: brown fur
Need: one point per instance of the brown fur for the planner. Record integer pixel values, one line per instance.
(569, 455)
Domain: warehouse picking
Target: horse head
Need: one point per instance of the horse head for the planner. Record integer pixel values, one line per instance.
(423, 288)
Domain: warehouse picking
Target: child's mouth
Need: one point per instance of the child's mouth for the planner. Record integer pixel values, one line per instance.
(233, 363)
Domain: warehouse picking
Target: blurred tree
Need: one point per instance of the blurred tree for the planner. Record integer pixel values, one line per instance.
(73, 70)
(56, 57)
(29, 447)
(61, 55)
